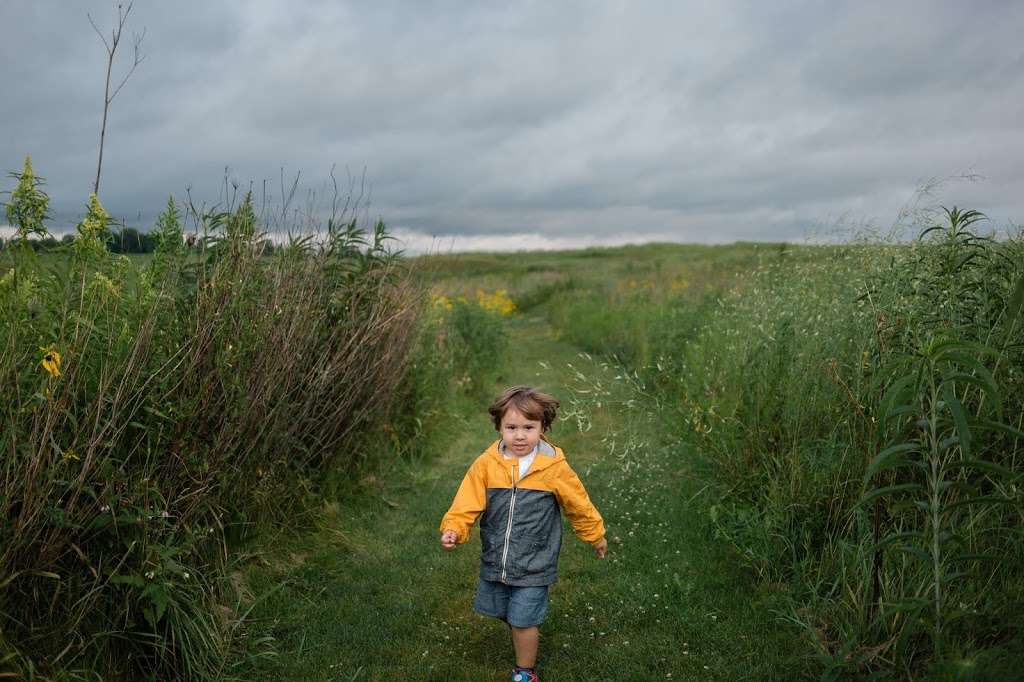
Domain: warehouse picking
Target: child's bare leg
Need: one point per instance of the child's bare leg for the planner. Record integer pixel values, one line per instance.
(525, 641)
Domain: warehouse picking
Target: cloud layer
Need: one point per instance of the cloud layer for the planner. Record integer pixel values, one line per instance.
(578, 123)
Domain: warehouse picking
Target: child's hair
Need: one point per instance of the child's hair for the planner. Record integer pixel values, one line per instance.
(532, 404)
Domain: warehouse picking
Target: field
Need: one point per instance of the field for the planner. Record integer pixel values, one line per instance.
(738, 410)
(223, 464)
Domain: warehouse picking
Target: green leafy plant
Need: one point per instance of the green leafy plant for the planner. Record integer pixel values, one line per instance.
(940, 480)
(27, 209)
(157, 412)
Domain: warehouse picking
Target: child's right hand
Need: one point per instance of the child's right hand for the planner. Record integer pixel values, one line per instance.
(449, 539)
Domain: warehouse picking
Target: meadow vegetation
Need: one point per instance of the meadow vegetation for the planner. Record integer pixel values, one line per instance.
(860, 410)
(848, 417)
(370, 595)
(160, 415)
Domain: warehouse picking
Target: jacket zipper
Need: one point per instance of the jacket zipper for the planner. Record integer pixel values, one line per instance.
(508, 529)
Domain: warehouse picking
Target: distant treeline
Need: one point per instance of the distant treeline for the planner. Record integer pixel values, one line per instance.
(125, 240)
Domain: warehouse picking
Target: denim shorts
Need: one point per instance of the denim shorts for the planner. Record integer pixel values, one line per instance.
(521, 607)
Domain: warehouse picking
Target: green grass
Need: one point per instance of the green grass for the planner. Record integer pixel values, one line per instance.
(723, 425)
(752, 414)
(371, 595)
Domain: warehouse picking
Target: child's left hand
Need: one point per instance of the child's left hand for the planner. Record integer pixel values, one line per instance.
(601, 548)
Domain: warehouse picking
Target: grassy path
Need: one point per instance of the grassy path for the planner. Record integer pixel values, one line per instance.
(371, 596)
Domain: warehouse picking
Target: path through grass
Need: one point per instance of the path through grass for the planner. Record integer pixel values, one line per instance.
(371, 596)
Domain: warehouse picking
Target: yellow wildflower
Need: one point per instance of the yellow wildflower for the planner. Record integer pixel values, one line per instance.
(498, 302)
(103, 284)
(51, 361)
(94, 224)
(93, 231)
(442, 302)
(71, 454)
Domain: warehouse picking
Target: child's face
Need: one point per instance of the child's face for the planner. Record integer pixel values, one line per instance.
(519, 433)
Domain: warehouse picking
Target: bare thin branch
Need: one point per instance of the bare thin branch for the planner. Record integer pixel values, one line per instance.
(96, 28)
(334, 199)
(111, 47)
(138, 59)
(288, 196)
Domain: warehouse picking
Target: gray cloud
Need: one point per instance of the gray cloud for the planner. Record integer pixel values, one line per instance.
(586, 122)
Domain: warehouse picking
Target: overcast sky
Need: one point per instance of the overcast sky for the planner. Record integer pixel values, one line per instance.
(531, 124)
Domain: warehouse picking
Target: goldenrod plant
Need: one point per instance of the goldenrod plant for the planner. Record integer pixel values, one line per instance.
(27, 209)
(93, 231)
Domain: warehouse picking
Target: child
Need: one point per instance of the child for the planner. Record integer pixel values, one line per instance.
(519, 484)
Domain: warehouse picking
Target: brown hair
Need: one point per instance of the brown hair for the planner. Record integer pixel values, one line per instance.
(532, 404)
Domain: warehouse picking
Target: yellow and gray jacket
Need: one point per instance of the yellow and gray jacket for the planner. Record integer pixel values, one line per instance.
(521, 526)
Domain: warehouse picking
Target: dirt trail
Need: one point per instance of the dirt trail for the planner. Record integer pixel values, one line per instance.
(371, 596)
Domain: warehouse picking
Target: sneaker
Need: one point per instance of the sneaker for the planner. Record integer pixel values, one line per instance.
(524, 675)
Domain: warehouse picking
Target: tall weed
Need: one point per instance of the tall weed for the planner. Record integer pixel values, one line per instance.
(861, 407)
(156, 412)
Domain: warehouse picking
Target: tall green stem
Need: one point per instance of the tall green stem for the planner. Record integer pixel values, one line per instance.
(933, 484)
